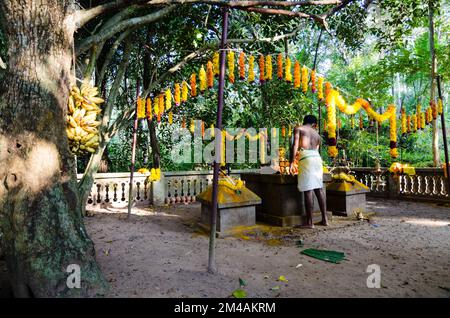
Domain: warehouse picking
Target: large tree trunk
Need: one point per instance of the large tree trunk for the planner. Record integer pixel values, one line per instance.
(436, 154)
(40, 219)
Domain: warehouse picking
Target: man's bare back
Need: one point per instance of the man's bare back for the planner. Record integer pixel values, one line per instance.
(308, 137)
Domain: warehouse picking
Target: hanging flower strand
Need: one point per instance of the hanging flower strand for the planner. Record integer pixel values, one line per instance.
(313, 81)
(320, 88)
(177, 94)
(210, 74)
(261, 69)
(288, 74)
(202, 79)
(280, 66)
(184, 92)
(242, 66)
(193, 85)
(297, 78)
(269, 68)
(230, 58)
(216, 59)
(251, 69)
(304, 79)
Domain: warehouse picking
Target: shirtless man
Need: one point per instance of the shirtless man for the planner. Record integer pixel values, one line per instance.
(310, 171)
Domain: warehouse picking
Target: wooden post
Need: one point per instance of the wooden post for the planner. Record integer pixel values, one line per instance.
(215, 184)
(133, 153)
(444, 135)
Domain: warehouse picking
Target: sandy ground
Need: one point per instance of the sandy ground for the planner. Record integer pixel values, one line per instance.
(162, 253)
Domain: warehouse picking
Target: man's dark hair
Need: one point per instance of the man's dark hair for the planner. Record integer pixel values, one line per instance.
(310, 120)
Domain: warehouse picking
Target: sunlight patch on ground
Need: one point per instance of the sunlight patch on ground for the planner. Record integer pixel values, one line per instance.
(428, 222)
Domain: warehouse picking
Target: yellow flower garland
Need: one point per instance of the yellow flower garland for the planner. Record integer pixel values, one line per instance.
(297, 77)
(216, 58)
(440, 106)
(268, 67)
(202, 79)
(184, 91)
(210, 74)
(414, 120)
(140, 108)
(148, 108)
(320, 88)
(403, 120)
(313, 81)
(230, 59)
(193, 85)
(168, 99)
(251, 69)
(288, 74)
(331, 125)
(393, 131)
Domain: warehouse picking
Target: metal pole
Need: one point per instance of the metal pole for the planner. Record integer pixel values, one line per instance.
(444, 135)
(212, 235)
(133, 153)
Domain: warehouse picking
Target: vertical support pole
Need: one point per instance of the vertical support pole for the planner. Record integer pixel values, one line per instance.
(215, 185)
(133, 153)
(444, 135)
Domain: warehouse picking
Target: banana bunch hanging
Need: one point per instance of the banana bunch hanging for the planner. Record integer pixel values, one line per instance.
(82, 125)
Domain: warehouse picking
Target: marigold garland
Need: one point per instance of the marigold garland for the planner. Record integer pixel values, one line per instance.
(184, 91)
(230, 59)
(251, 69)
(297, 78)
(261, 69)
(210, 74)
(287, 72)
(414, 121)
(331, 126)
(148, 108)
(440, 106)
(280, 66)
(193, 85)
(419, 116)
(320, 88)
(183, 123)
(202, 79)
(313, 81)
(328, 88)
(161, 104)
(335, 99)
(216, 59)
(242, 66)
(393, 132)
(361, 122)
(404, 122)
(177, 94)
(434, 110)
(156, 106)
(192, 126)
(140, 108)
(168, 99)
(422, 120)
(170, 117)
(269, 68)
(304, 79)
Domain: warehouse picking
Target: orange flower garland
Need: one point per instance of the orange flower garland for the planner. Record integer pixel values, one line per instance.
(210, 74)
(280, 66)
(193, 85)
(177, 94)
(269, 68)
(419, 117)
(328, 88)
(170, 117)
(242, 66)
(156, 106)
(297, 78)
(230, 58)
(434, 110)
(161, 104)
(288, 74)
(261, 69)
(393, 133)
(361, 123)
(414, 121)
(331, 125)
(251, 69)
(183, 123)
(408, 124)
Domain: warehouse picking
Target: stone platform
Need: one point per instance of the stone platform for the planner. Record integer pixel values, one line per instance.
(282, 203)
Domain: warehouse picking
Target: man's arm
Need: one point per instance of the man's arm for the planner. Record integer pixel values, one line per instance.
(295, 145)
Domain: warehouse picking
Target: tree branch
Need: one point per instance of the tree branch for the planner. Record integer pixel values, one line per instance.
(121, 26)
(83, 16)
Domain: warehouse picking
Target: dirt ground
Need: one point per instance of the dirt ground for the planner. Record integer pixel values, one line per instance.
(163, 253)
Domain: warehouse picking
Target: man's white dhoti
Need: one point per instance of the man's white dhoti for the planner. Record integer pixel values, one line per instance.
(310, 171)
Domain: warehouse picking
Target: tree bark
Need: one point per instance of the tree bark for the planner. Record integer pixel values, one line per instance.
(436, 153)
(40, 217)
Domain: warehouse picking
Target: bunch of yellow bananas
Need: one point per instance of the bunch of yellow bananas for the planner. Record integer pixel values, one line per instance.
(82, 125)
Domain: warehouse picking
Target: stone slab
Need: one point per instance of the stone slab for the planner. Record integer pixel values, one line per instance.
(228, 218)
